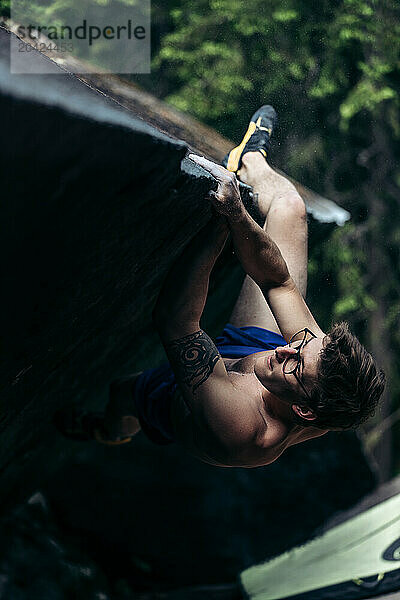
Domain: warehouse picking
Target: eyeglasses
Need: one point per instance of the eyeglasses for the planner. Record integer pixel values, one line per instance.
(291, 364)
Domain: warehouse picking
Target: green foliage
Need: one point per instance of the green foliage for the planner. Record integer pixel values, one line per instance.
(345, 256)
(5, 8)
(219, 55)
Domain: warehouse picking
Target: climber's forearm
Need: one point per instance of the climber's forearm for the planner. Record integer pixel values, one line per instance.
(257, 252)
(183, 295)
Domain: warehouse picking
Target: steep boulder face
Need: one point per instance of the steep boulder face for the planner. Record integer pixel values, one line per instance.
(95, 208)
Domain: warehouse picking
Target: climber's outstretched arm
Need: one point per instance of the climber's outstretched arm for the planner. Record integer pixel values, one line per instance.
(260, 256)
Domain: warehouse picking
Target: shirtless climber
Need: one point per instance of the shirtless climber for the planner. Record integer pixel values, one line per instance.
(274, 378)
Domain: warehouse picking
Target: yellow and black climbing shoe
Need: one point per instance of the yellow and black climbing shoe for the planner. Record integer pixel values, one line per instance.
(256, 139)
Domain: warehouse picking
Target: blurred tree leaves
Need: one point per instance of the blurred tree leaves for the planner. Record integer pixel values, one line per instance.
(5, 8)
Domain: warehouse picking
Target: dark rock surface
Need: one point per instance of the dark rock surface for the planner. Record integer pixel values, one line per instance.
(97, 209)
(37, 563)
(169, 518)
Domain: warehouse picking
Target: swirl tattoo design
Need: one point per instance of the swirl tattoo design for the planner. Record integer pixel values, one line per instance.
(194, 357)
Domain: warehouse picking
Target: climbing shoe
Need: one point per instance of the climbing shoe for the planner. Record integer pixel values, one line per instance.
(76, 424)
(256, 138)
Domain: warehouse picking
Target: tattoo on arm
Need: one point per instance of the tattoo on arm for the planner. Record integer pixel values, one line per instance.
(194, 358)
